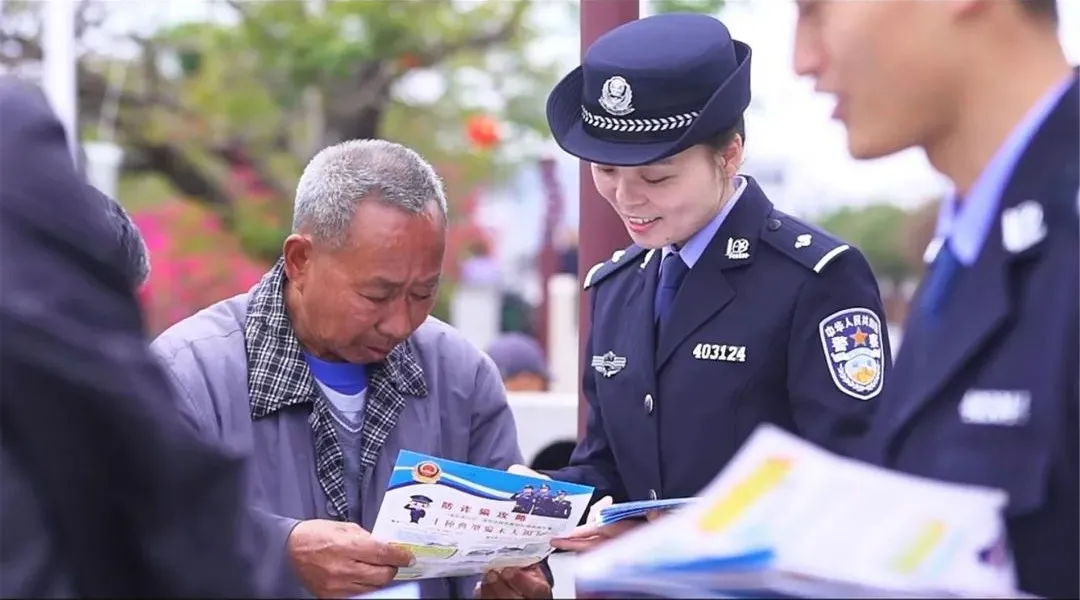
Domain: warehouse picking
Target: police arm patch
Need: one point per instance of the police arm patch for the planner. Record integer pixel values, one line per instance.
(852, 341)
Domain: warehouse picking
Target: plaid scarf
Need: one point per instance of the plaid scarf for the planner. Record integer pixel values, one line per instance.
(278, 377)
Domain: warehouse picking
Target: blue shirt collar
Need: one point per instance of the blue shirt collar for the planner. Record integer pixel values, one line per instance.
(342, 377)
(694, 247)
(967, 226)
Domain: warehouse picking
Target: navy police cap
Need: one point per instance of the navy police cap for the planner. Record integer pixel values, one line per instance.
(650, 89)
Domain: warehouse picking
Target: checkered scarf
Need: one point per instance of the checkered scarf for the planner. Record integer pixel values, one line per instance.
(278, 377)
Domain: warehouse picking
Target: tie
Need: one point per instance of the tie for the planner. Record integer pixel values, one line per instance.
(938, 283)
(672, 272)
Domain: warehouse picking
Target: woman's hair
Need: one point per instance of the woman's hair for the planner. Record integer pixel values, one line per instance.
(722, 140)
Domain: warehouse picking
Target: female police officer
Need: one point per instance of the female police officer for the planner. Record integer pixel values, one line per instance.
(725, 313)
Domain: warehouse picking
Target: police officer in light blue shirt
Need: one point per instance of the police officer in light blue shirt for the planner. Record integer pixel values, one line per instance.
(725, 312)
(985, 389)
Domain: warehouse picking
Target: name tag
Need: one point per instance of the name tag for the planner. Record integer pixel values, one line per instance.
(1007, 408)
(720, 352)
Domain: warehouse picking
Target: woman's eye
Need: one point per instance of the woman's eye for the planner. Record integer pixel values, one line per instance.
(658, 180)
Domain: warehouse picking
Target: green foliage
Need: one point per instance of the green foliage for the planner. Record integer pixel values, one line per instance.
(878, 231)
(711, 7)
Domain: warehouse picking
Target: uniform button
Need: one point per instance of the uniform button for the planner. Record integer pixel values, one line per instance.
(774, 224)
(653, 495)
(648, 404)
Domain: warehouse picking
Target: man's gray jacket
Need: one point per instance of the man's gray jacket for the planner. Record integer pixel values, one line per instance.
(227, 363)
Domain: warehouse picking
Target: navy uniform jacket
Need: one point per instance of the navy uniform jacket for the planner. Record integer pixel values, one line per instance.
(989, 395)
(105, 492)
(777, 321)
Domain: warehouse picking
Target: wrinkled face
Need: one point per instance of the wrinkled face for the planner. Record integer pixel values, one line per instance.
(666, 202)
(888, 63)
(362, 300)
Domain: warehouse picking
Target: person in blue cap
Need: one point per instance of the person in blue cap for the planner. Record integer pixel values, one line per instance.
(521, 362)
(986, 383)
(725, 313)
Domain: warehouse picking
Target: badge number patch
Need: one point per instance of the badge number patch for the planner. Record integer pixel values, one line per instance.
(720, 352)
(851, 339)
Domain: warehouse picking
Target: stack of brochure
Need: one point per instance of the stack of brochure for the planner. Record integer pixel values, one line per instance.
(634, 510)
(787, 519)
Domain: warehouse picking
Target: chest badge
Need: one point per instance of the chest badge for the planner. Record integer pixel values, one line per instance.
(1004, 408)
(851, 339)
(1022, 226)
(738, 248)
(609, 364)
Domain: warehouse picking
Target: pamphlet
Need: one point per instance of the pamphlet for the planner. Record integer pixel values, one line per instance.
(788, 519)
(633, 510)
(459, 519)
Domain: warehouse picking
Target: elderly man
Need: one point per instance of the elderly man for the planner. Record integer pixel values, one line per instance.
(331, 365)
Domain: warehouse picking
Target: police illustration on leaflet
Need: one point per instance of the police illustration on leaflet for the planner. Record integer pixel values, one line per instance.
(540, 502)
(725, 312)
(417, 507)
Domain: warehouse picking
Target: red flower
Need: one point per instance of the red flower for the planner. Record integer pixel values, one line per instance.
(483, 132)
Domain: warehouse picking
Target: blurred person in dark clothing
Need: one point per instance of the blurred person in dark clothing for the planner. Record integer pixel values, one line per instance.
(131, 252)
(521, 362)
(105, 491)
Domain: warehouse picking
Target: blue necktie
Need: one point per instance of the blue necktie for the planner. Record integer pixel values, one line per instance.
(672, 272)
(939, 281)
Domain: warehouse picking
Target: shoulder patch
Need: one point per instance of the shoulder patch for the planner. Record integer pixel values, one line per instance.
(810, 246)
(618, 260)
(851, 339)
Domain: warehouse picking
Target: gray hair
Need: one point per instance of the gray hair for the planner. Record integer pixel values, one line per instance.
(342, 175)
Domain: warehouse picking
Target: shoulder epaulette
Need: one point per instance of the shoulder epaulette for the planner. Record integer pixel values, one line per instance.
(810, 246)
(618, 260)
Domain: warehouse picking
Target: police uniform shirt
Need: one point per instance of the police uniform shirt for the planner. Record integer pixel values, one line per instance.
(986, 386)
(777, 321)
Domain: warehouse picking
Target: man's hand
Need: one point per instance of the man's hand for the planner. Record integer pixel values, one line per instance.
(524, 582)
(592, 533)
(338, 560)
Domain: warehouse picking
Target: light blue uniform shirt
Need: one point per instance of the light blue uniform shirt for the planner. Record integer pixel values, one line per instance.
(965, 227)
(695, 246)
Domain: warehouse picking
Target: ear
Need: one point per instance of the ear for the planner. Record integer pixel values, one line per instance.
(297, 252)
(731, 157)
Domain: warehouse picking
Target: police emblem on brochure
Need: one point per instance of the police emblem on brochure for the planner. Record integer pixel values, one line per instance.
(609, 364)
(851, 339)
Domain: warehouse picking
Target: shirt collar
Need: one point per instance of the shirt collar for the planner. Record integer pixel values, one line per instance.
(694, 247)
(278, 375)
(967, 225)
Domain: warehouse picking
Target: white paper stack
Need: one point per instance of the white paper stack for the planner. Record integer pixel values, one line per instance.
(633, 510)
(787, 519)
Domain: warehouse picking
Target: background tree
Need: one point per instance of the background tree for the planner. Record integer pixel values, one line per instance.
(918, 230)
(876, 229)
(235, 104)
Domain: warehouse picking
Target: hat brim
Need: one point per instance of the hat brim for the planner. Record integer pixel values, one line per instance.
(564, 120)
